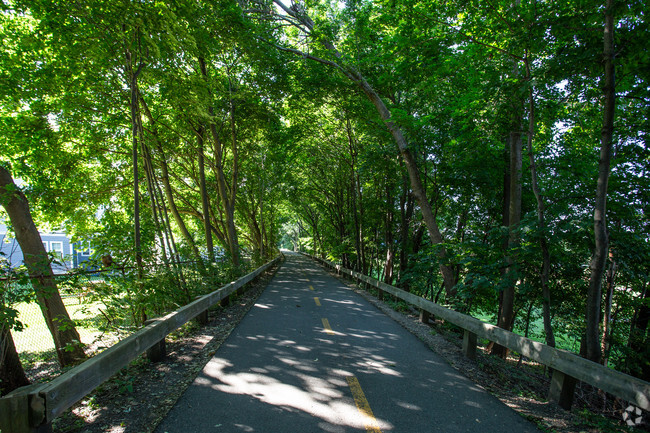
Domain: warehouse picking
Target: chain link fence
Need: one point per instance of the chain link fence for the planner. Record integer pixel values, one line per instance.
(106, 305)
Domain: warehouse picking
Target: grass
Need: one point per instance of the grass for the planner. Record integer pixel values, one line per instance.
(536, 332)
(36, 338)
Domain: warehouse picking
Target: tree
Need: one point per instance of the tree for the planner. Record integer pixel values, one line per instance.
(297, 16)
(69, 348)
(591, 347)
(12, 375)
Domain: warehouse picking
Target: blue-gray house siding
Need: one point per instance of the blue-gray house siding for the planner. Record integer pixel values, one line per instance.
(68, 254)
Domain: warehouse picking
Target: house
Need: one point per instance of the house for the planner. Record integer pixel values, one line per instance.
(68, 255)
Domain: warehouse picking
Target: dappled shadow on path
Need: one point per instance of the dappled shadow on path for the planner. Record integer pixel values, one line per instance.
(284, 367)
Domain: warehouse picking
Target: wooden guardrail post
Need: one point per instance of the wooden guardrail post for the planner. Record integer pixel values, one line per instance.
(158, 351)
(469, 344)
(202, 318)
(425, 316)
(23, 411)
(562, 389)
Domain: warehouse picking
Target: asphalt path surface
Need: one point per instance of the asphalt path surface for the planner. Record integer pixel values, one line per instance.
(313, 356)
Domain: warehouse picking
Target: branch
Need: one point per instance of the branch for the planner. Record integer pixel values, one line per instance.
(306, 56)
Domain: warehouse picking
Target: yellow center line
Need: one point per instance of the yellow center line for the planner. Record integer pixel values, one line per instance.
(311, 287)
(317, 301)
(363, 406)
(326, 325)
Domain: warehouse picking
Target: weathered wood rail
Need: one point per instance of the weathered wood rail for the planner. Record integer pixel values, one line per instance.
(33, 408)
(568, 368)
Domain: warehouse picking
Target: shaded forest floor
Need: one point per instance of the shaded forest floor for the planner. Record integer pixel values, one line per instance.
(137, 398)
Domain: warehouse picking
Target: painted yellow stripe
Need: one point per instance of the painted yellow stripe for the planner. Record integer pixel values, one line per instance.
(317, 301)
(363, 406)
(311, 287)
(326, 325)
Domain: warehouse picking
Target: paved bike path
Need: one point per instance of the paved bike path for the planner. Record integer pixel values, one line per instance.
(286, 369)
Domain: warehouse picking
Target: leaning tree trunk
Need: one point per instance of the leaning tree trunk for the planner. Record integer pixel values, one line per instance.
(227, 193)
(591, 347)
(304, 23)
(416, 181)
(66, 338)
(167, 188)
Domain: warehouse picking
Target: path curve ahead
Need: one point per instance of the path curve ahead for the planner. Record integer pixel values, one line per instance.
(313, 356)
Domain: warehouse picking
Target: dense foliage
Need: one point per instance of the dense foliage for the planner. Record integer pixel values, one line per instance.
(451, 148)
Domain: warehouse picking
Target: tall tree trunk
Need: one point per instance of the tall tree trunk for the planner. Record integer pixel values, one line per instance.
(263, 244)
(390, 248)
(234, 179)
(66, 338)
(161, 221)
(507, 297)
(591, 346)
(353, 197)
(12, 375)
(155, 206)
(205, 199)
(506, 311)
(406, 213)
(355, 219)
(543, 242)
(608, 322)
(171, 202)
(135, 112)
(505, 222)
(364, 261)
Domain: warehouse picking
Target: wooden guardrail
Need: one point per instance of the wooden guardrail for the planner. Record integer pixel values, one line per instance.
(567, 367)
(32, 408)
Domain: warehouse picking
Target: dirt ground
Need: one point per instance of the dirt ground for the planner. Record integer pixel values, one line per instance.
(137, 398)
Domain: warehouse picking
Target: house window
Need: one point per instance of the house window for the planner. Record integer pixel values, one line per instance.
(57, 247)
(87, 251)
(46, 246)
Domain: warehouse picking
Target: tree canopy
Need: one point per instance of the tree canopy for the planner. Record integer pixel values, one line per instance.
(455, 149)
